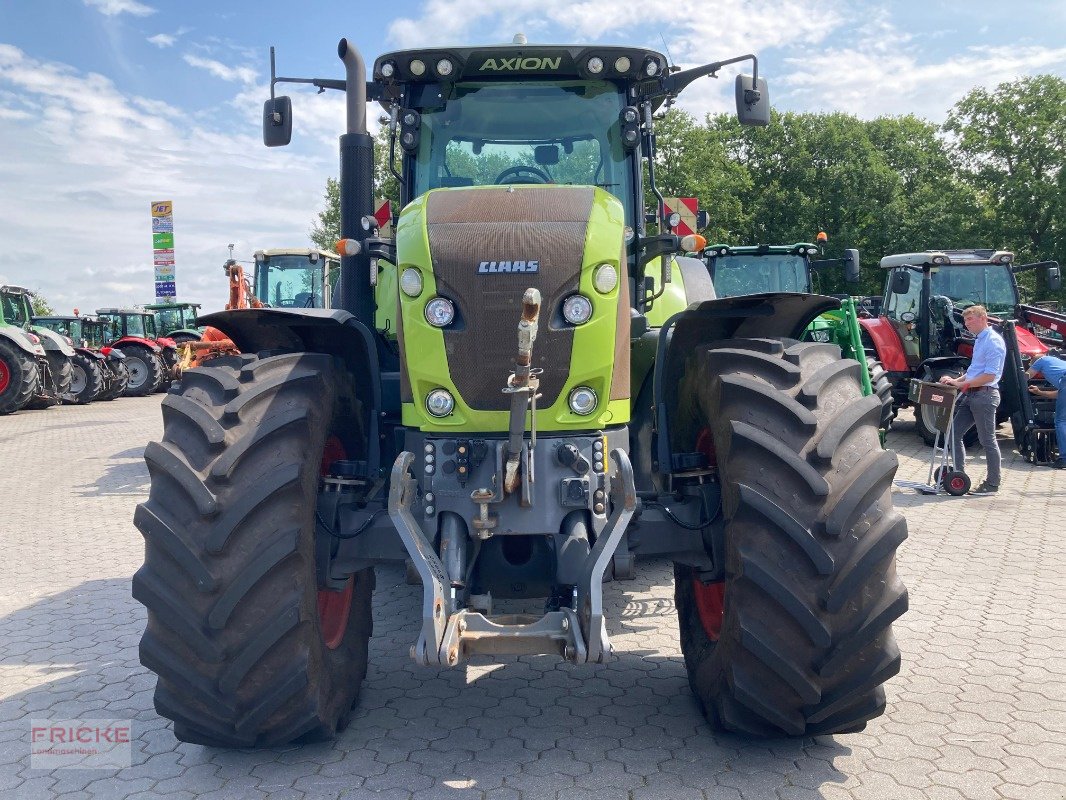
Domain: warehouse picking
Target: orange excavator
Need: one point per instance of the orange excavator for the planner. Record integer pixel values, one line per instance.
(215, 343)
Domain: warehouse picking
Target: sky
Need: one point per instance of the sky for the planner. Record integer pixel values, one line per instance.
(109, 105)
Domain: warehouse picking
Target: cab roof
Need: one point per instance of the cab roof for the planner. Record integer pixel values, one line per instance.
(295, 251)
(948, 258)
(797, 249)
(134, 311)
(513, 60)
(157, 306)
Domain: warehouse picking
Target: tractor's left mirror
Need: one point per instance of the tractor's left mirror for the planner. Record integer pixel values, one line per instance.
(753, 101)
(1054, 278)
(851, 266)
(277, 122)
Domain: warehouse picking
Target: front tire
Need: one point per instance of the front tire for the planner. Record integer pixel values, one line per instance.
(247, 649)
(87, 382)
(882, 387)
(146, 371)
(797, 638)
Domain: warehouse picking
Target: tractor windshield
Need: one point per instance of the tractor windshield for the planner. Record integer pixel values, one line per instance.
(990, 285)
(541, 132)
(93, 333)
(14, 306)
(168, 319)
(289, 281)
(751, 274)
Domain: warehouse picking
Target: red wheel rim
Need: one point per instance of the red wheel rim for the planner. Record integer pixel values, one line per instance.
(334, 607)
(710, 603)
(958, 484)
(5, 376)
(333, 611)
(705, 445)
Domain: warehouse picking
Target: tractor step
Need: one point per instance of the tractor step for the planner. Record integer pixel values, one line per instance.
(449, 633)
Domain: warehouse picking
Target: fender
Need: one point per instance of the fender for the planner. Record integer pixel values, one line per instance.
(128, 341)
(51, 340)
(886, 343)
(754, 316)
(1029, 344)
(21, 340)
(324, 330)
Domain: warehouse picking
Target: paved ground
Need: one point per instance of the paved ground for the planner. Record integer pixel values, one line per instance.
(979, 710)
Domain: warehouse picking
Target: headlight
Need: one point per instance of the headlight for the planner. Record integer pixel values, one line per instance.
(577, 309)
(411, 282)
(651, 67)
(583, 401)
(595, 65)
(622, 64)
(440, 312)
(444, 68)
(440, 403)
(68, 340)
(418, 68)
(387, 69)
(605, 278)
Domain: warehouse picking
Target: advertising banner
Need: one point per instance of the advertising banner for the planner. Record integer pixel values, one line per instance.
(163, 250)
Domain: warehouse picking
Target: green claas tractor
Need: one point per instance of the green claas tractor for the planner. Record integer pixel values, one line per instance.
(519, 393)
(176, 321)
(789, 268)
(55, 371)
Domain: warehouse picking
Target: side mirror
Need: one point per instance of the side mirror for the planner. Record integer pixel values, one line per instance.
(901, 281)
(1054, 278)
(703, 219)
(851, 266)
(277, 122)
(753, 101)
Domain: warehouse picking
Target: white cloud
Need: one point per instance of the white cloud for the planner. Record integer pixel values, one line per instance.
(220, 70)
(886, 72)
(83, 161)
(112, 8)
(162, 40)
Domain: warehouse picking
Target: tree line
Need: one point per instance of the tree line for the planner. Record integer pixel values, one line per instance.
(991, 176)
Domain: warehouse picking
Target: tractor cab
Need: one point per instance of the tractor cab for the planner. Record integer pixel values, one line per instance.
(176, 320)
(754, 269)
(295, 278)
(70, 327)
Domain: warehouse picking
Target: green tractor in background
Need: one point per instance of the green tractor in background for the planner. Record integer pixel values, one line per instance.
(176, 321)
(520, 392)
(55, 372)
(752, 269)
(296, 277)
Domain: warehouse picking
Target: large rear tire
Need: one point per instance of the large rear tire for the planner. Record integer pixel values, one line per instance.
(146, 371)
(797, 639)
(247, 649)
(18, 378)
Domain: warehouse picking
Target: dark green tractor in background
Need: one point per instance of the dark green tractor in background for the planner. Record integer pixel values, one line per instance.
(520, 393)
(793, 268)
(176, 321)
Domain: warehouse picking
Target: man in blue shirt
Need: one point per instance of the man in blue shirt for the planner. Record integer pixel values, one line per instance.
(1054, 372)
(980, 399)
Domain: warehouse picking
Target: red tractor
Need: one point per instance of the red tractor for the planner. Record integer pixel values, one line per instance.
(919, 333)
(149, 358)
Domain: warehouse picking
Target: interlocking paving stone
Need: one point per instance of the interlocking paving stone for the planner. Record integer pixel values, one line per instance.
(979, 710)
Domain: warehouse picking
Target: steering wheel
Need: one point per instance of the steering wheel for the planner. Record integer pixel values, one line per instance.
(521, 169)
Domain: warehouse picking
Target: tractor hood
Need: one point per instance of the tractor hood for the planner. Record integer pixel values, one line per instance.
(53, 341)
(1028, 344)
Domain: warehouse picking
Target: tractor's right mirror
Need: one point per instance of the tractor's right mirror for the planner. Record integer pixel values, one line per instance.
(901, 281)
(753, 101)
(851, 266)
(1054, 278)
(277, 122)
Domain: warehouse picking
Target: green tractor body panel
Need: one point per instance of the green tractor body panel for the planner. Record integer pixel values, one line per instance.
(486, 287)
(672, 300)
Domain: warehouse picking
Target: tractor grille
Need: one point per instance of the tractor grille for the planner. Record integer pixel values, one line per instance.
(468, 227)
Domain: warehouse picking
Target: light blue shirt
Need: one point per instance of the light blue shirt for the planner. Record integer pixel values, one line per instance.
(989, 353)
(1053, 369)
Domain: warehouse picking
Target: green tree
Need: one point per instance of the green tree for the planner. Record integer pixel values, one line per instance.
(40, 306)
(1010, 145)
